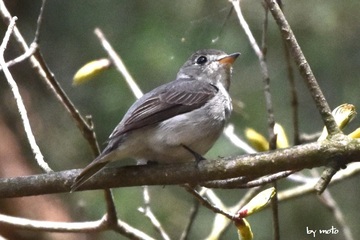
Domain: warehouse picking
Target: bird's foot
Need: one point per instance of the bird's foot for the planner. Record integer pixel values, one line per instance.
(198, 157)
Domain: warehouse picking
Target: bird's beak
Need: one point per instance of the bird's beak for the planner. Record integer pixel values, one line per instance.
(228, 59)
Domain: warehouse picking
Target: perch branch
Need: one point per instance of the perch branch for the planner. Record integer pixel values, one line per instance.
(253, 165)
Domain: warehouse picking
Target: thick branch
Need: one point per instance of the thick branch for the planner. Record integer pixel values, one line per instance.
(252, 165)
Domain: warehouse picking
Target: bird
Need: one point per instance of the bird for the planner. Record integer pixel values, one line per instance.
(175, 122)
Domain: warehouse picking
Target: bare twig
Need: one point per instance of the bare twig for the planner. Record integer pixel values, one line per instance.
(307, 188)
(78, 227)
(85, 125)
(115, 58)
(332, 168)
(20, 104)
(293, 92)
(331, 204)
(146, 210)
(206, 203)
(261, 54)
(267, 179)
(111, 216)
(20, 39)
(271, 124)
(300, 178)
(266, 83)
(22, 57)
(246, 182)
(328, 201)
(36, 225)
(221, 222)
(193, 213)
(313, 87)
(86, 129)
(223, 26)
(304, 68)
(49, 79)
(238, 142)
(39, 21)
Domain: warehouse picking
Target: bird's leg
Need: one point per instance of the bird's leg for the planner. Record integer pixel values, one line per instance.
(151, 163)
(197, 156)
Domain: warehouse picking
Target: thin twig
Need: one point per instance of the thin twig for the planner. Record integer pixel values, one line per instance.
(193, 213)
(221, 222)
(223, 26)
(131, 233)
(137, 93)
(39, 21)
(300, 178)
(111, 216)
(20, 39)
(51, 226)
(313, 87)
(85, 125)
(236, 140)
(22, 57)
(261, 53)
(115, 58)
(206, 203)
(246, 182)
(332, 168)
(271, 124)
(266, 82)
(49, 79)
(331, 204)
(75, 227)
(293, 92)
(20, 104)
(86, 130)
(146, 210)
(267, 179)
(308, 188)
(304, 68)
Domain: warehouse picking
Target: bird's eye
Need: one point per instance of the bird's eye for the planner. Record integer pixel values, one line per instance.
(201, 60)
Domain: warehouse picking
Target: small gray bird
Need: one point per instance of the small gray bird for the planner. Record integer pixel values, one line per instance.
(176, 122)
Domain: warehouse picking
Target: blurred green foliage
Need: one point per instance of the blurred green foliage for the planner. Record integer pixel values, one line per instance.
(154, 38)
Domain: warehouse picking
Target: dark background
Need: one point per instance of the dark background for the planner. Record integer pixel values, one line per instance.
(154, 38)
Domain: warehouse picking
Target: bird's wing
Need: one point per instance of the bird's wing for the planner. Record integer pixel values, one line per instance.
(165, 102)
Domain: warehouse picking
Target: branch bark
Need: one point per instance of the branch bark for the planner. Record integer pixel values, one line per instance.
(253, 165)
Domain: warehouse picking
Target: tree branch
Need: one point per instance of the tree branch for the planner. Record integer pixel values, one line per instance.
(49, 79)
(304, 68)
(20, 104)
(89, 226)
(253, 165)
(120, 66)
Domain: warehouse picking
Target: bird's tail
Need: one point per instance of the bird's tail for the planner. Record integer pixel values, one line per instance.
(89, 171)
